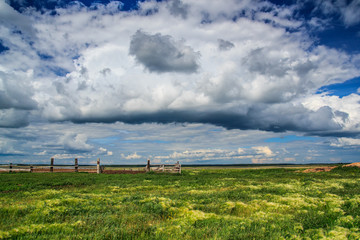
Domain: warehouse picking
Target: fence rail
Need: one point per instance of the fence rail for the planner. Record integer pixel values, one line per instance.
(44, 168)
(171, 168)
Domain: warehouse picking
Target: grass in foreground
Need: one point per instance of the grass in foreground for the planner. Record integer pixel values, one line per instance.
(199, 204)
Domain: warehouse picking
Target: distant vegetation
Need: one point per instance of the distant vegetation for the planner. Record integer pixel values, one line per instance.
(198, 204)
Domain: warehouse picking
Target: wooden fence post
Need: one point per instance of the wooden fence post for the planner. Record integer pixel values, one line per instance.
(52, 165)
(98, 166)
(76, 165)
(148, 166)
(31, 168)
(10, 167)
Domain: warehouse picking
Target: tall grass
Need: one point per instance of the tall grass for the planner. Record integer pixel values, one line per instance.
(198, 204)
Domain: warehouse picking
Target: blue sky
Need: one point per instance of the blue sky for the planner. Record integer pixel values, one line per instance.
(200, 82)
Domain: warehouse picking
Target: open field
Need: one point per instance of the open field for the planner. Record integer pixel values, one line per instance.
(92, 168)
(279, 203)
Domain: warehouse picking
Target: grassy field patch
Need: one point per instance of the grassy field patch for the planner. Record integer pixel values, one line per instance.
(198, 204)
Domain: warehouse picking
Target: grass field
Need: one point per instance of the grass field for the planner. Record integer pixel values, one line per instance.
(198, 204)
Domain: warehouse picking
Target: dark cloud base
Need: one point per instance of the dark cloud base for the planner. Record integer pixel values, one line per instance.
(255, 119)
(11, 154)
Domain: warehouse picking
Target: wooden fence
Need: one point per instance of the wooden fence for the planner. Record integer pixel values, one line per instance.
(52, 168)
(171, 168)
(15, 168)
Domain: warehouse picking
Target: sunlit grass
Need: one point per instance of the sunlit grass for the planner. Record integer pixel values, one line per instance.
(198, 204)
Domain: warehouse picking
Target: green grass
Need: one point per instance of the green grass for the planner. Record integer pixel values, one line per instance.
(198, 204)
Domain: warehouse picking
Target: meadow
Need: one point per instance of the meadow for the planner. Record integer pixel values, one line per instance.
(279, 203)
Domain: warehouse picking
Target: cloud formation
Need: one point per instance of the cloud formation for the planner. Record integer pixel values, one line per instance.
(13, 118)
(178, 8)
(265, 150)
(75, 142)
(348, 11)
(160, 53)
(258, 78)
(249, 65)
(15, 91)
(12, 19)
(225, 45)
(346, 142)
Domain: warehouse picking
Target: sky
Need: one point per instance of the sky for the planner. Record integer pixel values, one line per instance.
(200, 82)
